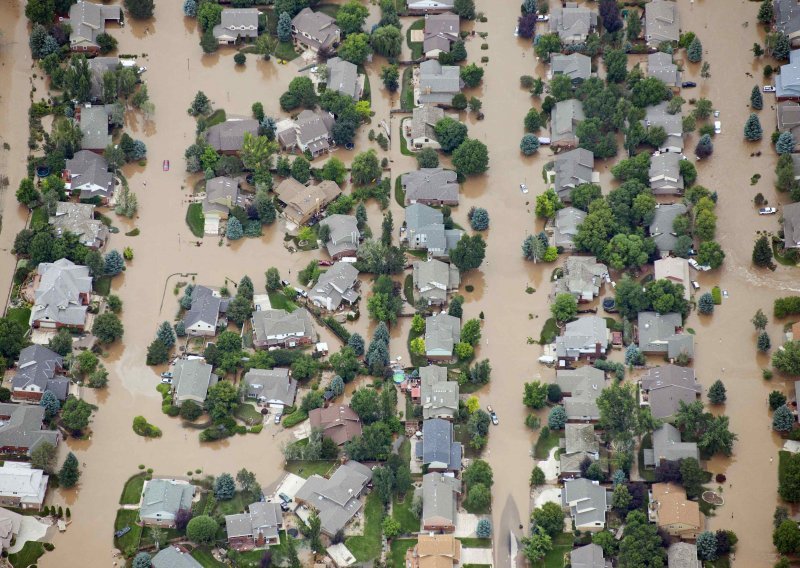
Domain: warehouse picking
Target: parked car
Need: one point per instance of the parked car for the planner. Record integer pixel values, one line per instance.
(769, 89)
(493, 415)
(278, 418)
(697, 266)
(523, 188)
(688, 84)
(284, 283)
(543, 18)
(544, 140)
(166, 381)
(717, 127)
(325, 263)
(284, 497)
(167, 375)
(695, 285)
(767, 211)
(302, 292)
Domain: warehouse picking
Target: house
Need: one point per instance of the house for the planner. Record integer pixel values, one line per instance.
(791, 225)
(566, 116)
(661, 226)
(301, 202)
(438, 83)
(87, 20)
(272, 387)
(203, 317)
(430, 186)
(572, 169)
(420, 130)
(279, 328)
(665, 174)
(667, 446)
(661, 22)
(78, 219)
(664, 387)
(88, 173)
(673, 512)
(585, 338)
(93, 122)
(433, 279)
(10, 523)
(343, 78)
(338, 285)
(580, 443)
(62, 291)
(672, 124)
(236, 24)
(572, 23)
(439, 502)
(581, 388)
(21, 429)
(588, 556)
(429, 6)
(222, 195)
(39, 371)
(22, 486)
(98, 66)
(434, 551)
(313, 129)
(582, 277)
(787, 19)
(565, 227)
(174, 556)
(257, 528)
(339, 423)
(663, 334)
(676, 270)
(425, 230)
(587, 503)
(439, 34)
(228, 137)
(576, 66)
(344, 235)
(191, 380)
(438, 396)
(442, 332)
(683, 555)
(438, 449)
(337, 500)
(315, 30)
(661, 66)
(162, 499)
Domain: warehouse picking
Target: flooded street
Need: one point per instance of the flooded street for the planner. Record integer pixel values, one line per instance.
(176, 68)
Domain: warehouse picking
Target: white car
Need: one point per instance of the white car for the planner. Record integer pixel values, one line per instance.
(166, 381)
(717, 127)
(769, 89)
(767, 211)
(543, 18)
(697, 266)
(278, 417)
(523, 188)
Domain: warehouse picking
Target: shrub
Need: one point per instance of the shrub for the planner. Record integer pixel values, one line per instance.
(705, 304)
(529, 144)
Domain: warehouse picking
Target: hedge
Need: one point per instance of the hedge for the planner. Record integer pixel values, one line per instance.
(786, 306)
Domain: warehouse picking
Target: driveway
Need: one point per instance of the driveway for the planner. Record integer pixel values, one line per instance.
(481, 556)
(466, 523)
(551, 466)
(29, 529)
(548, 495)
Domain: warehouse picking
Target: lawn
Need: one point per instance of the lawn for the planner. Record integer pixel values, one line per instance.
(549, 331)
(285, 51)
(39, 217)
(407, 91)
(29, 554)
(544, 443)
(401, 512)
(206, 559)
(216, 117)
(167, 535)
(368, 546)
(20, 315)
(195, 219)
(415, 46)
(399, 192)
(102, 285)
(416, 360)
(279, 301)
(404, 143)
(562, 544)
(127, 518)
(408, 288)
(781, 258)
(397, 556)
(295, 418)
(236, 505)
(476, 542)
(251, 558)
(248, 413)
(646, 474)
(132, 491)
(306, 469)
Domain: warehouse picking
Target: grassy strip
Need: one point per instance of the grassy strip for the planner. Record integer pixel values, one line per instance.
(408, 289)
(476, 542)
(127, 518)
(39, 217)
(195, 219)
(562, 544)
(415, 46)
(306, 469)
(368, 546)
(547, 440)
(216, 117)
(19, 315)
(102, 285)
(295, 418)
(285, 51)
(397, 555)
(401, 512)
(280, 301)
(132, 491)
(400, 193)
(407, 91)
(28, 556)
(404, 143)
(549, 332)
(206, 559)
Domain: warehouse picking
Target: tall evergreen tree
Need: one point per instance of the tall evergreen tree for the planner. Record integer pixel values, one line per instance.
(752, 128)
(756, 98)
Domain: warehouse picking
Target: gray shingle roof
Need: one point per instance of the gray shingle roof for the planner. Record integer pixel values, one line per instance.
(665, 174)
(344, 234)
(667, 385)
(336, 499)
(658, 333)
(97, 67)
(94, 126)
(36, 368)
(583, 336)
(572, 23)
(660, 66)
(431, 184)
(565, 119)
(667, 445)
(88, 20)
(583, 386)
(791, 225)
(672, 124)
(173, 557)
(236, 23)
(787, 82)
(261, 519)
(339, 283)
(583, 276)
(61, 293)
(78, 219)
(441, 30)
(271, 385)
(438, 396)
(314, 126)
(439, 498)
(439, 450)
(206, 307)
(682, 555)
(572, 169)
(222, 195)
(315, 29)
(438, 83)
(661, 226)
(423, 120)
(343, 77)
(193, 378)
(425, 228)
(589, 556)
(565, 226)
(89, 173)
(21, 427)
(434, 278)
(442, 332)
(279, 324)
(576, 66)
(163, 498)
(661, 21)
(587, 502)
(228, 136)
(580, 438)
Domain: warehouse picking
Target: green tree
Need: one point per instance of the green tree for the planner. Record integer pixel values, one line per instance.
(472, 75)
(564, 308)
(752, 128)
(346, 364)
(785, 143)
(557, 418)
(546, 45)
(222, 400)
(70, 472)
(350, 17)
(284, 29)
(759, 320)
(450, 133)
(469, 253)
(107, 327)
(633, 25)
(27, 194)
(224, 487)
(43, 456)
(717, 393)
(596, 229)
(763, 341)
(756, 98)
(202, 529)
(365, 167)
(640, 546)
(705, 305)
(783, 419)
(140, 9)
(535, 395)
(75, 414)
(536, 546)
(537, 477)
(618, 411)
(628, 251)
(786, 537)
(465, 9)
(471, 332)
(61, 342)
(707, 546)
(384, 304)
(50, 404)
(789, 486)
(165, 334)
(386, 41)
(529, 144)
(549, 518)
(694, 53)
(157, 353)
(478, 498)
(616, 62)
(710, 253)
(355, 48)
(766, 13)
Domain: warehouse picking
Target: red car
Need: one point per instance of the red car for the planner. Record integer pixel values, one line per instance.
(325, 263)
(166, 165)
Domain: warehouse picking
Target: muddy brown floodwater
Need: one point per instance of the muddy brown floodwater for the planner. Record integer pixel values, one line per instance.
(177, 68)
